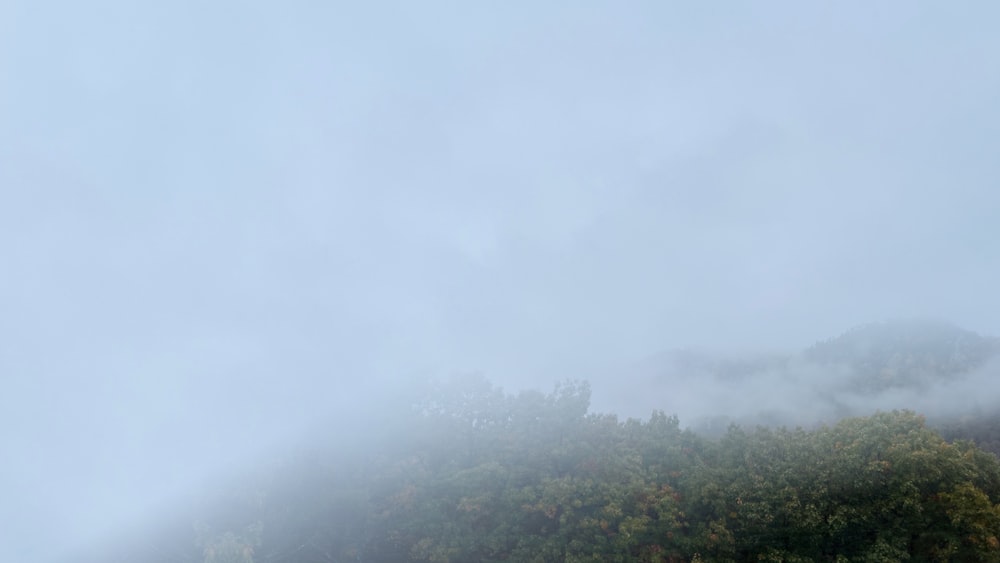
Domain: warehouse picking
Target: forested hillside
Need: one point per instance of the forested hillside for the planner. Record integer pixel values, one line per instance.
(909, 353)
(942, 371)
(476, 474)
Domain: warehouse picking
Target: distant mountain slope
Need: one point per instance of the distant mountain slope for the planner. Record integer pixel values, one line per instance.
(905, 353)
(933, 367)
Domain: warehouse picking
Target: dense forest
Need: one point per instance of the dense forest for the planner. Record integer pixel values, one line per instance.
(467, 472)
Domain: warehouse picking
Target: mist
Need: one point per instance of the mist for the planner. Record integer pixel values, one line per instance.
(222, 225)
(710, 389)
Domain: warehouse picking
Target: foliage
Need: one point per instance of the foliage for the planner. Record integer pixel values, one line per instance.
(480, 475)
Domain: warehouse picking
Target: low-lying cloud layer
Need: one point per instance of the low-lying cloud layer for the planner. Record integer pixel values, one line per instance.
(709, 391)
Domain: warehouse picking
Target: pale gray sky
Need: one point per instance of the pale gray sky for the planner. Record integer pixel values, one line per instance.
(219, 219)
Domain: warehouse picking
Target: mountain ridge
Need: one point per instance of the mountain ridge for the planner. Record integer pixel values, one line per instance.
(929, 365)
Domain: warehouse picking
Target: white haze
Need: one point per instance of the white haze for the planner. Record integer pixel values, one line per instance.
(220, 222)
(798, 393)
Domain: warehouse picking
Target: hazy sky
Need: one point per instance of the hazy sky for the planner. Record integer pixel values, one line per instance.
(219, 219)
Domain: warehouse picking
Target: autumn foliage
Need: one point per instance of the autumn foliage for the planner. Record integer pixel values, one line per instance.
(474, 474)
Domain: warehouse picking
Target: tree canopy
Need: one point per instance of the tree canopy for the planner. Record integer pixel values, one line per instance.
(477, 474)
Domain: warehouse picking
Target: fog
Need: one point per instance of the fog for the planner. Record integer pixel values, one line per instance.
(710, 389)
(221, 223)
